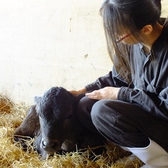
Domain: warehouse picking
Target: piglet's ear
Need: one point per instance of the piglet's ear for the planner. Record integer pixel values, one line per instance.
(37, 99)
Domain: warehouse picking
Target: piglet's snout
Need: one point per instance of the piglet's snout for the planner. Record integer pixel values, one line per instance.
(50, 145)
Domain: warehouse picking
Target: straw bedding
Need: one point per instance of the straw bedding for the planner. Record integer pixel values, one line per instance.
(13, 156)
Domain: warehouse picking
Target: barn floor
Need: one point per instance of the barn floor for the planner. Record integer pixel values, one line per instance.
(12, 155)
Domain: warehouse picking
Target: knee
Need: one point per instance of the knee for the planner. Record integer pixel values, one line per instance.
(97, 112)
(104, 113)
(84, 107)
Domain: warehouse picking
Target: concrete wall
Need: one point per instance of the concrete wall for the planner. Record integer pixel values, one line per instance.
(48, 43)
(45, 43)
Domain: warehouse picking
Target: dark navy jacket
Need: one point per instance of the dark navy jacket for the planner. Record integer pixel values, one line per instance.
(150, 78)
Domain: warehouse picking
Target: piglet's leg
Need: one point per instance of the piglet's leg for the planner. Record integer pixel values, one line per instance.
(30, 126)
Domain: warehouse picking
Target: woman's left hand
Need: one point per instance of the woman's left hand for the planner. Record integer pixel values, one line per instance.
(104, 93)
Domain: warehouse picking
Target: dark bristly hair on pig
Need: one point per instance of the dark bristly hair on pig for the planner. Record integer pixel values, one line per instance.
(53, 123)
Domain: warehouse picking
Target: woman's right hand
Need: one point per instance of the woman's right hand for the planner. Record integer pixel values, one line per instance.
(78, 92)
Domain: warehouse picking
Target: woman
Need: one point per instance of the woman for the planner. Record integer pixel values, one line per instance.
(129, 106)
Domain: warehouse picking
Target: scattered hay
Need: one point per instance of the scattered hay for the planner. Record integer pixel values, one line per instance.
(5, 104)
(12, 155)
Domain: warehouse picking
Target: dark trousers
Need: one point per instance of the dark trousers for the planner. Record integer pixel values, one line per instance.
(122, 123)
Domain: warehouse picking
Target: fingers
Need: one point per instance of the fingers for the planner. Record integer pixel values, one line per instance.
(77, 92)
(74, 92)
(93, 95)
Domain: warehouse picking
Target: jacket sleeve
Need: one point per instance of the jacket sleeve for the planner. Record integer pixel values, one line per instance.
(111, 79)
(155, 104)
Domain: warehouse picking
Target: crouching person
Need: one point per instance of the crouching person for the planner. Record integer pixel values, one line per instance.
(129, 106)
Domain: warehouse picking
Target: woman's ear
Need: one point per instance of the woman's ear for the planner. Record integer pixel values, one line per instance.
(146, 30)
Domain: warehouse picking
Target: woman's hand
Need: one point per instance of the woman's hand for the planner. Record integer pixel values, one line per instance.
(78, 92)
(104, 93)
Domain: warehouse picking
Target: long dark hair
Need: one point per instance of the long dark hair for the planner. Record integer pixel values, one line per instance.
(132, 15)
